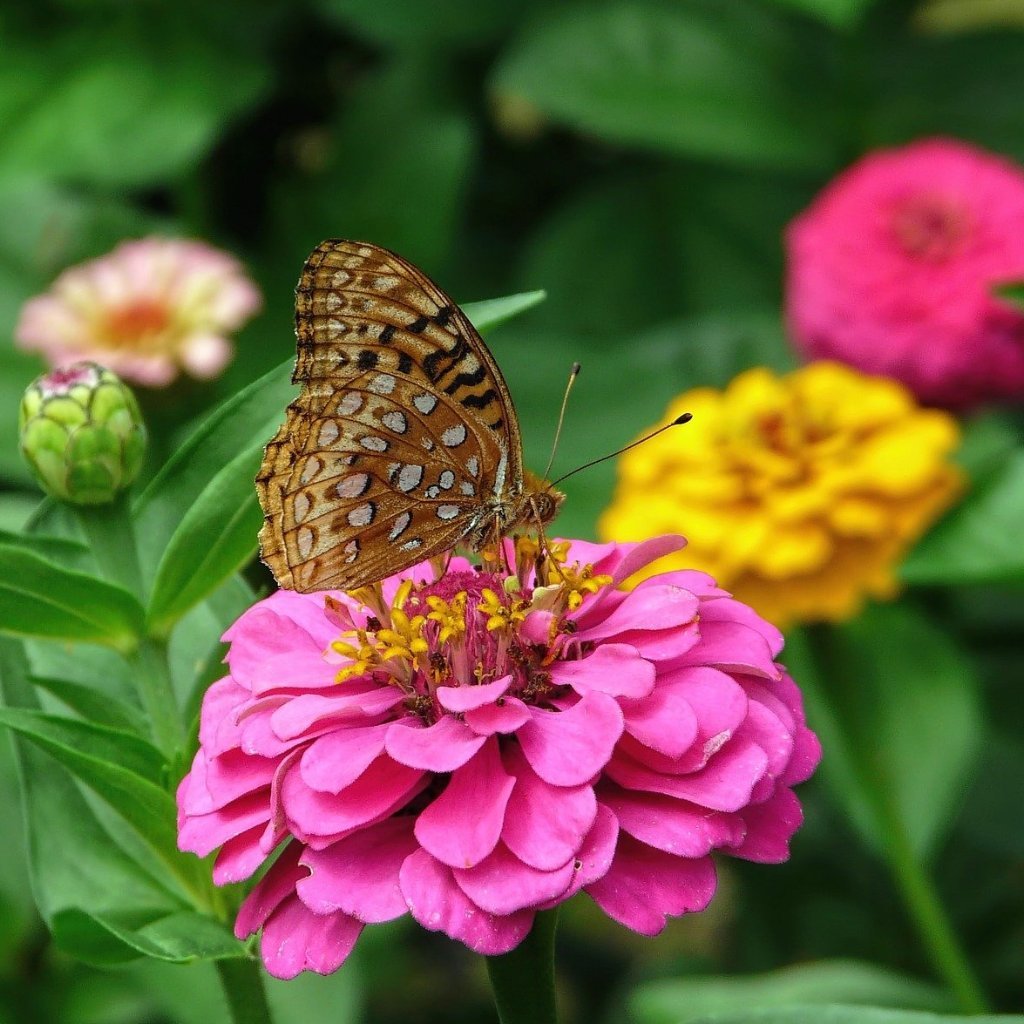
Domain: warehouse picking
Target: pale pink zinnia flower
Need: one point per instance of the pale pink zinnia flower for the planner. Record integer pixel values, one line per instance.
(146, 310)
(474, 748)
(892, 269)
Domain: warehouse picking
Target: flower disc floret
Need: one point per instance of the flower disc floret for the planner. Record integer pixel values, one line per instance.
(475, 747)
(800, 493)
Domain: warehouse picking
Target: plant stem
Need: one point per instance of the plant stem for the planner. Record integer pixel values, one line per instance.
(524, 980)
(108, 529)
(153, 680)
(243, 988)
(941, 941)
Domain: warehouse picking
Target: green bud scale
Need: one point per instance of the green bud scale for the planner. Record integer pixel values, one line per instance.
(82, 433)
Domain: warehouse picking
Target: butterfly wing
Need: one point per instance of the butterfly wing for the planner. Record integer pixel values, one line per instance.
(402, 436)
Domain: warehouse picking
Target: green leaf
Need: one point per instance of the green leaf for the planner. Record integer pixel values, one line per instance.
(59, 549)
(490, 313)
(164, 89)
(94, 705)
(978, 542)
(680, 1000)
(829, 1014)
(77, 869)
(895, 704)
(1011, 293)
(40, 598)
(254, 413)
(704, 79)
(216, 537)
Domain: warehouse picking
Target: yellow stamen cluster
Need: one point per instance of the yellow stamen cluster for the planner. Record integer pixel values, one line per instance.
(501, 615)
(579, 581)
(449, 615)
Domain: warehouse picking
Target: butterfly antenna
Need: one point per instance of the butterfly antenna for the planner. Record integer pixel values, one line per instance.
(573, 374)
(678, 421)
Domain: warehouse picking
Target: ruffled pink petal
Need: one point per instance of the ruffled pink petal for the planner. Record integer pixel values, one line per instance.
(270, 891)
(615, 669)
(442, 747)
(545, 825)
(463, 824)
(203, 833)
(770, 826)
(650, 608)
(503, 884)
(218, 730)
(643, 553)
(665, 722)
(355, 702)
(718, 701)
(734, 611)
(733, 647)
(295, 939)
(439, 905)
(358, 875)
(764, 728)
(568, 748)
(218, 782)
(724, 784)
(672, 825)
(594, 857)
(643, 887)
(507, 716)
(466, 698)
(381, 789)
(333, 762)
(239, 858)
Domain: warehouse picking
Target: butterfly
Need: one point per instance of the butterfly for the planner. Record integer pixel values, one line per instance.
(403, 442)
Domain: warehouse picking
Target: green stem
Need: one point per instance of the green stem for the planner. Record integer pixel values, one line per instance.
(243, 988)
(153, 679)
(524, 980)
(947, 955)
(108, 529)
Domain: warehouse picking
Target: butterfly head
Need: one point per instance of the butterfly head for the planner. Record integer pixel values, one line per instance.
(542, 501)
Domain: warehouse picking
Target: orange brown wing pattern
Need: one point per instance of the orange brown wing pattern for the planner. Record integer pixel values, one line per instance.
(403, 432)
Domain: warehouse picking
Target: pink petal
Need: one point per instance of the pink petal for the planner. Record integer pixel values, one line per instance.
(507, 716)
(770, 826)
(295, 939)
(615, 669)
(438, 904)
(568, 748)
(733, 647)
(203, 833)
(729, 610)
(303, 712)
(545, 825)
(502, 884)
(239, 858)
(672, 825)
(654, 607)
(724, 784)
(216, 782)
(643, 553)
(442, 747)
(217, 731)
(644, 886)
(665, 721)
(358, 875)
(595, 857)
(383, 788)
(466, 698)
(333, 762)
(269, 892)
(463, 824)
(765, 729)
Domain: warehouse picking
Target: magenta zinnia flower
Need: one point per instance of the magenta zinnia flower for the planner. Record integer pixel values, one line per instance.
(147, 310)
(893, 270)
(477, 747)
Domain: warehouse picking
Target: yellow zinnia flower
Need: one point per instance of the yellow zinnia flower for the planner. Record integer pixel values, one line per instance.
(798, 493)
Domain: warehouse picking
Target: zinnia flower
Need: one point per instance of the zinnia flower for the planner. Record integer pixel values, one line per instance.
(893, 269)
(474, 747)
(146, 311)
(799, 493)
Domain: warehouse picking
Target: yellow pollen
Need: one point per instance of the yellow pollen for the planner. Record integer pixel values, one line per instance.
(500, 615)
(449, 615)
(578, 582)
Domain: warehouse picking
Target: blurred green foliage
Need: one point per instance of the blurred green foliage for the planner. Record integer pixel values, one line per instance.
(638, 160)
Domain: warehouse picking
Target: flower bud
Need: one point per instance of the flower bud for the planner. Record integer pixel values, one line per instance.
(82, 433)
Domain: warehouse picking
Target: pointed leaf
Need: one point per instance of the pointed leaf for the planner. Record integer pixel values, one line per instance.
(40, 598)
(94, 705)
(490, 313)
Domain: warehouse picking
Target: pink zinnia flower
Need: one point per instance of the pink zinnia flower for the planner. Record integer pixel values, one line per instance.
(892, 270)
(146, 310)
(477, 747)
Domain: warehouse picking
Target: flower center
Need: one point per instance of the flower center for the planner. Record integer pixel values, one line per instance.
(136, 324)
(471, 629)
(931, 227)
